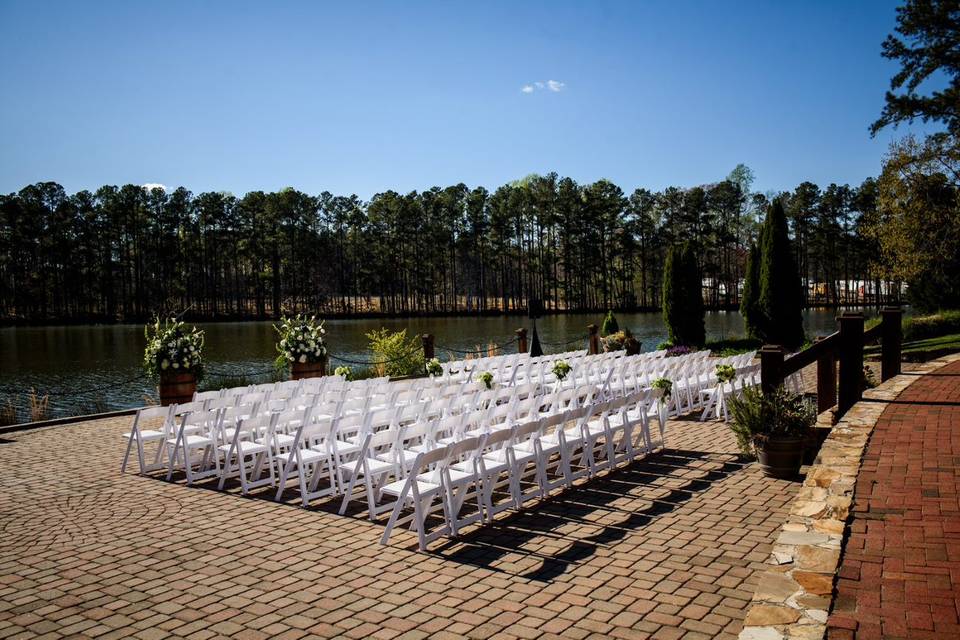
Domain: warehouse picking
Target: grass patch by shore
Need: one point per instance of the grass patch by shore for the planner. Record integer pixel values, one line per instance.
(732, 346)
(923, 350)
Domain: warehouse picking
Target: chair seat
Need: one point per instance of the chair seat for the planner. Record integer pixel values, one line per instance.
(245, 447)
(346, 448)
(148, 435)
(306, 455)
(374, 465)
(423, 487)
(520, 456)
(461, 471)
(285, 439)
(192, 441)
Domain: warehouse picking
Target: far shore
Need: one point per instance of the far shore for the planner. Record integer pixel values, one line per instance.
(492, 313)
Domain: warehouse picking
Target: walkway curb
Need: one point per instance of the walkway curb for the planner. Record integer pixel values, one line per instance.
(793, 597)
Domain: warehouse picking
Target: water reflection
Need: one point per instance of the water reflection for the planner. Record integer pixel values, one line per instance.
(68, 361)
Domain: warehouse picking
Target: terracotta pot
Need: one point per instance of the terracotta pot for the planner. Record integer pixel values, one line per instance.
(780, 456)
(177, 388)
(299, 370)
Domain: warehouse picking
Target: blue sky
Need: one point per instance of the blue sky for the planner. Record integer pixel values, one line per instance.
(362, 97)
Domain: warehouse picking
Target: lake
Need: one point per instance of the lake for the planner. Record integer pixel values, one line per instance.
(96, 368)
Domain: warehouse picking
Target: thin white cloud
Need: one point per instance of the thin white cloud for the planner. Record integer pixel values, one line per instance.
(150, 186)
(554, 86)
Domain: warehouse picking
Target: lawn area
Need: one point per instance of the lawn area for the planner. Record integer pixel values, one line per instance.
(923, 350)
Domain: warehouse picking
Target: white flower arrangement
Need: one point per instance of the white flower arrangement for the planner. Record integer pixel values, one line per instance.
(301, 340)
(434, 368)
(560, 369)
(172, 348)
(486, 380)
(343, 371)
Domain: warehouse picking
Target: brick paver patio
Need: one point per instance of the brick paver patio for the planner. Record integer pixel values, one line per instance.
(900, 574)
(666, 548)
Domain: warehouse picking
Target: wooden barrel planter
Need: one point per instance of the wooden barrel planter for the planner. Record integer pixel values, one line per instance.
(177, 388)
(300, 370)
(781, 456)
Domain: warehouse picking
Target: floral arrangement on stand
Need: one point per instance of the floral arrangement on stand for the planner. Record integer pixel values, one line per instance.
(174, 356)
(725, 373)
(434, 368)
(560, 369)
(664, 384)
(486, 379)
(621, 341)
(301, 345)
(173, 348)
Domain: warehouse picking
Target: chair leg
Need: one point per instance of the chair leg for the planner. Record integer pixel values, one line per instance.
(123, 467)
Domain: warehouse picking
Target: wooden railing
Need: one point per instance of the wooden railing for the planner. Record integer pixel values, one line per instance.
(844, 347)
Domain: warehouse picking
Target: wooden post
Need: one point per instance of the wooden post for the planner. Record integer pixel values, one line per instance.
(593, 340)
(521, 340)
(771, 367)
(891, 336)
(826, 380)
(427, 346)
(851, 361)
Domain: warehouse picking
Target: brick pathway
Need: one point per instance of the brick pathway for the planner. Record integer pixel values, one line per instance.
(666, 548)
(900, 574)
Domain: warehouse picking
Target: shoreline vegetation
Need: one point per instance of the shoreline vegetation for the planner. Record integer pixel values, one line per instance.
(188, 316)
(131, 252)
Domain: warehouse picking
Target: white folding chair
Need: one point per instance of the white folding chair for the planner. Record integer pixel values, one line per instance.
(145, 430)
(420, 488)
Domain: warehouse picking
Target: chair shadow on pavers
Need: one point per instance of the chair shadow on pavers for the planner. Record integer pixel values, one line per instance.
(567, 528)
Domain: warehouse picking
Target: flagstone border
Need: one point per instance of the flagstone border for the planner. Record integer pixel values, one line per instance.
(793, 596)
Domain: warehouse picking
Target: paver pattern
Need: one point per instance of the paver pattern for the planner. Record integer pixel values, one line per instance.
(900, 573)
(664, 548)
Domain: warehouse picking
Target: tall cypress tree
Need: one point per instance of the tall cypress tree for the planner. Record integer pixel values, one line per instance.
(780, 301)
(749, 304)
(683, 309)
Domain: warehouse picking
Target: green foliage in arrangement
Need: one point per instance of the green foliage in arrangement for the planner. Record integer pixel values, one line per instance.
(665, 384)
(301, 340)
(343, 371)
(781, 295)
(725, 372)
(486, 379)
(757, 416)
(609, 326)
(172, 348)
(560, 369)
(394, 355)
(683, 310)
(434, 368)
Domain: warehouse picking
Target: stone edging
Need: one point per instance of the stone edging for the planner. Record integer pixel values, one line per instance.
(793, 596)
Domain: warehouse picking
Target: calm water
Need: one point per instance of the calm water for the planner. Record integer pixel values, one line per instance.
(88, 368)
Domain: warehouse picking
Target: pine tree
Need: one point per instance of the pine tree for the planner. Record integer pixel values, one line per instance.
(780, 299)
(749, 305)
(683, 309)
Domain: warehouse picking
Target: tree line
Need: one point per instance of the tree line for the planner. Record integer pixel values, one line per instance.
(125, 253)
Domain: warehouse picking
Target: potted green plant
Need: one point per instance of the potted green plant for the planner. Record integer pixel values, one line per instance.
(301, 347)
(174, 357)
(773, 426)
